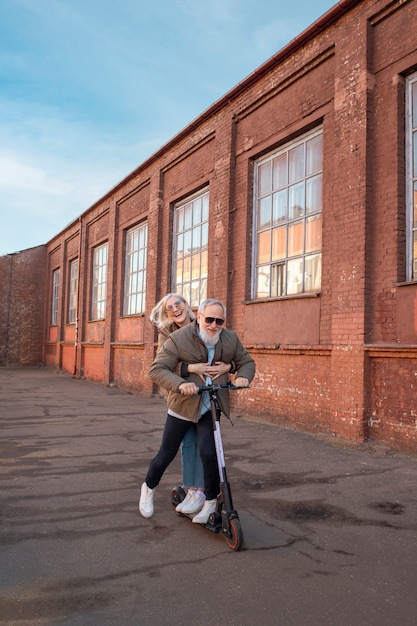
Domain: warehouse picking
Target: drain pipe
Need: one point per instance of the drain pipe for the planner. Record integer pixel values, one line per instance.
(77, 319)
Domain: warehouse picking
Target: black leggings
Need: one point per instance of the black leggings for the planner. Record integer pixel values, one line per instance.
(174, 432)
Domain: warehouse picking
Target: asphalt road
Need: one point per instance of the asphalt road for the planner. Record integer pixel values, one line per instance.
(330, 530)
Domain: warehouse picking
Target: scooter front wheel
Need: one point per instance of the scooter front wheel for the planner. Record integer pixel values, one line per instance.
(235, 538)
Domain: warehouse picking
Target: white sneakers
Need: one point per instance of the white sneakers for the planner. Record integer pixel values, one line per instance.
(208, 508)
(192, 503)
(146, 501)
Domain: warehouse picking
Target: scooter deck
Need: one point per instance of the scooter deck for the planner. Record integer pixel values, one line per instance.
(232, 531)
(215, 525)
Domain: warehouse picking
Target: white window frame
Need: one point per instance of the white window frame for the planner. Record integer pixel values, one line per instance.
(99, 282)
(190, 247)
(135, 270)
(289, 272)
(411, 176)
(73, 292)
(55, 297)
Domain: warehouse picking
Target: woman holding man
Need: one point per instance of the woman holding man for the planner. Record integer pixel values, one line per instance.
(171, 313)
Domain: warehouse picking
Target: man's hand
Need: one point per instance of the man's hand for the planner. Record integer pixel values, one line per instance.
(188, 389)
(241, 382)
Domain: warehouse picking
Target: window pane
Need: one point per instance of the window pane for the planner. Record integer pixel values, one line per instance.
(196, 238)
(264, 247)
(280, 171)
(195, 267)
(204, 263)
(135, 240)
(313, 233)
(312, 279)
(141, 259)
(186, 291)
(277, 280)
(178, 271)
(295, 276)
(265, 179)
(279, 243)
(180, 245)
(264, 213)
(180, 219)
(203, 291)
(195, 293)
(197, 205)
(314, 149)
(295, 238)
(140, 281)
(279, 210)
(204, 235)
(205, 210)
(263, 282)
(314, 194)
(296, 163)
(142, 237)
(187, 242)
(188, 216)
(186, 277)
(296, 201)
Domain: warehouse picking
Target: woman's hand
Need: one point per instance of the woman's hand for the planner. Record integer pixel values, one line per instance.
(219, 368)
(204, 369)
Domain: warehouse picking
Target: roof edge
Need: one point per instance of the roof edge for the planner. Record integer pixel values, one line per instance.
(323, 22)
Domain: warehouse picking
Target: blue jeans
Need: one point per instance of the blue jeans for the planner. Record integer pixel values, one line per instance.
(174, 432)
(192, 467)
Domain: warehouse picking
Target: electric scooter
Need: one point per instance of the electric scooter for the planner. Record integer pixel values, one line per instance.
(225, 518)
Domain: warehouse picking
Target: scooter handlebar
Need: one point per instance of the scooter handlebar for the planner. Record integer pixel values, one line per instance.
(218, 386)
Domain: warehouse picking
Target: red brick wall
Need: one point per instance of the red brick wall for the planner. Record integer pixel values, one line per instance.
(22, 307)
(319, 362)
(393, 390)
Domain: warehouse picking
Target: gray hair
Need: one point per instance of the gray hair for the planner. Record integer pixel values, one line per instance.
(210, 301)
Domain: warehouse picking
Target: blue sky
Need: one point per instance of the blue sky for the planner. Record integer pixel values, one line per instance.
(89, 89)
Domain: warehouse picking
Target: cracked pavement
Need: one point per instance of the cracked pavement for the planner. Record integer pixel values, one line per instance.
(330, 529)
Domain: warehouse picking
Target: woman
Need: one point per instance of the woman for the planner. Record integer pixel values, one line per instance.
(207, 343)
(171, 313)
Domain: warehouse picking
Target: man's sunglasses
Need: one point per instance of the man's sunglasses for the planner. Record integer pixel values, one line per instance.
(210, 320)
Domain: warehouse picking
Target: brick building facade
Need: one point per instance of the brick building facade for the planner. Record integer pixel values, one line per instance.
(292, 199)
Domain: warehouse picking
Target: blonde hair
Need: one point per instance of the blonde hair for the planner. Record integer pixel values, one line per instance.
(158, 314)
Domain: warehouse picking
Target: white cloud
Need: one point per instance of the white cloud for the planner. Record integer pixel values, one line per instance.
(19, 175)
(91, 89)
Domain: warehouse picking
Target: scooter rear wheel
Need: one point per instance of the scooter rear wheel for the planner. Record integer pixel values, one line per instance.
(235, 541)
(177, 495)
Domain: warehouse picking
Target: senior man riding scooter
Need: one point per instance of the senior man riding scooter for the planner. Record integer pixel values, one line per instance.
(203, 341)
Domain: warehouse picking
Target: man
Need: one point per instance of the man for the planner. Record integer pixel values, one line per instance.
(204, 341)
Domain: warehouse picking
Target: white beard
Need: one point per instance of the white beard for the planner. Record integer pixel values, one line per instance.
(210, 340)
